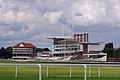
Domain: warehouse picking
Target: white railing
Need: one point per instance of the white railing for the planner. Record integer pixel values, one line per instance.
(16, 71)
(66, 65)
(47, 65)
(40, 68)
(99, 66)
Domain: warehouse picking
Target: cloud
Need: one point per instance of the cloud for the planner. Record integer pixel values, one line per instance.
(92, 12)
(31, 20)
(11, 17)
(53, 17)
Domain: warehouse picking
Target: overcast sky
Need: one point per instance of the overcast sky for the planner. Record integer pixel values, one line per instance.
(34, 20)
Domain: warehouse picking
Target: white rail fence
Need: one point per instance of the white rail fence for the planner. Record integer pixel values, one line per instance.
(70, 65)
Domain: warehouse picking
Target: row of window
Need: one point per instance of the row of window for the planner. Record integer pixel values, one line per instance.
(22, 55)
(70, 49)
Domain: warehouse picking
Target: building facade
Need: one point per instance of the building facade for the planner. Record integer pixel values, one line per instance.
(24, 51)
(76, 45)
(65, 46)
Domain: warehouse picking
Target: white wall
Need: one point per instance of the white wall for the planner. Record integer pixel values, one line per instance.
(93, 48)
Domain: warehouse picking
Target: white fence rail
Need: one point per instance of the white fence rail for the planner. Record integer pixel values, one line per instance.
(16, 72)
(47, 65)
(85, 76)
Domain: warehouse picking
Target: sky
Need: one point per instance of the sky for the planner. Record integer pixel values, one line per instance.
(35, 20)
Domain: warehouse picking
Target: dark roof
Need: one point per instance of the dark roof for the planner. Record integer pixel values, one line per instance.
(24, 45)
(90, 43)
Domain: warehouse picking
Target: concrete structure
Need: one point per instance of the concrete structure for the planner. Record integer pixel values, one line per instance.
(76, 45)
(64, 46)
(81, 37)
(24, 51)
(44, 55)
(89, 47)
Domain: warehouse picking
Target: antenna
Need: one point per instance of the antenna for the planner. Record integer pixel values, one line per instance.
(63, 31)
(71, 30)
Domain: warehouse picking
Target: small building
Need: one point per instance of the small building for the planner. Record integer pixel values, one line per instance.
(24, 51)
(45, 55)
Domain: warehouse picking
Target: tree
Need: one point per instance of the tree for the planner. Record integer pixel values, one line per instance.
(46, 49)
(8, 52)
(109, 50)
(2, 52)
(39, 50)
(117, 53)
(42, 49)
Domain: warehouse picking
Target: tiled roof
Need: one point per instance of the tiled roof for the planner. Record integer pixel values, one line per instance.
(24, 45)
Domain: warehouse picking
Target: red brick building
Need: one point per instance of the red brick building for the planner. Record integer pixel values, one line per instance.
(24, 51)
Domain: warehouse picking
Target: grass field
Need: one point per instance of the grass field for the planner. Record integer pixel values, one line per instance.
(58, 73)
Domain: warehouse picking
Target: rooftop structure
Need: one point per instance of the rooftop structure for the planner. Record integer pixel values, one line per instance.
(90, 47)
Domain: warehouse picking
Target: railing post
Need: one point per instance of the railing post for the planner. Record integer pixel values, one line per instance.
(85, 78)
(70, 71)
(47, 71)
(89, 71)
(16, 72)
(40, 72)
(99, 71)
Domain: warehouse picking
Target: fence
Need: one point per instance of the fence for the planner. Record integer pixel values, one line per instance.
(47, 71)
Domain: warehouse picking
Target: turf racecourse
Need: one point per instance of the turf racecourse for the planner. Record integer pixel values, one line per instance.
(56, 73)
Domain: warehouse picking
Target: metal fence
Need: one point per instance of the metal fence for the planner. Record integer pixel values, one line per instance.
(70, 65)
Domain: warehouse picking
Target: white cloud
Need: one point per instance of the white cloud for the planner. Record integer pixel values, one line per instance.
(9, 33)
(22, 16)
(29, 20)
(91, 12)
(11, 17)
(53, 17)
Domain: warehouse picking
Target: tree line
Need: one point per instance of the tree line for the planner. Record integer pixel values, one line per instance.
(6, 53)
(111, 51)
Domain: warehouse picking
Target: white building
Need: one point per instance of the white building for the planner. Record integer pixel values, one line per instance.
(24, 51)
(75, 46)
(64, 46)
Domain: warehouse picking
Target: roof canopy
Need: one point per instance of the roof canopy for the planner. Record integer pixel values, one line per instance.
(24, 45)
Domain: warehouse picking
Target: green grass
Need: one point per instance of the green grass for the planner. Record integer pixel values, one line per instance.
(58, 73)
